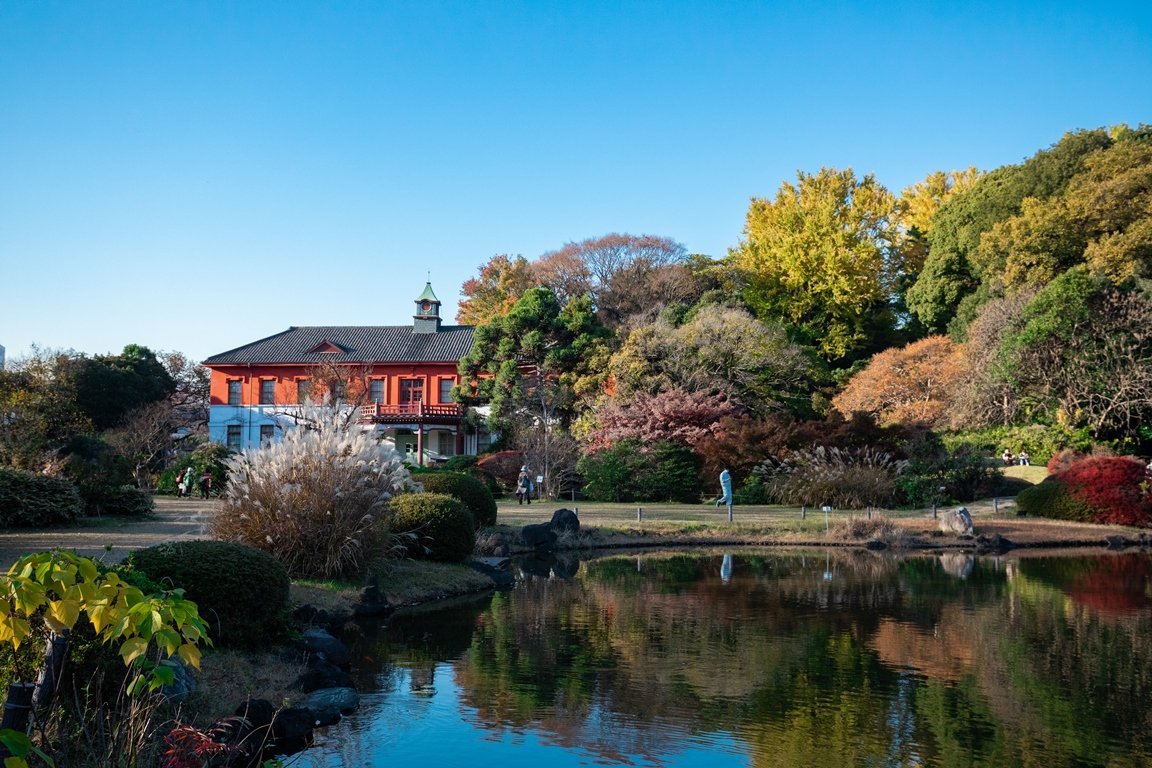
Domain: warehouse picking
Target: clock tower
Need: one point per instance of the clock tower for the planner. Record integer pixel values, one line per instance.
(427, 317)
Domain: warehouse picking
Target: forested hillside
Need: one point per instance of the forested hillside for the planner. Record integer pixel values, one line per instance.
(974, 311)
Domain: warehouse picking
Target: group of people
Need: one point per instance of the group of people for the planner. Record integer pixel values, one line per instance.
(185, 479)
(1023, 459)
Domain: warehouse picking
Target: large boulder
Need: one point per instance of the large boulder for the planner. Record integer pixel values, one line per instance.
(319, 643)
(565, 521)
(958, 521)
(538, 536)
(329, 704)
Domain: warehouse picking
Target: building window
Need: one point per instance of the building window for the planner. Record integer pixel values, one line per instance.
(411, 391)
(267, 432)
(233, 441)
(303, 391)
(446, 390)
(376, 390)
(338, 389)
(267, 391)
(446, 443)
(234, 389)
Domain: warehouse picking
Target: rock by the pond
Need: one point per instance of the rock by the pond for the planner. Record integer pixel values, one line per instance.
(372, 603)
(316, 641)
(329, 704)
(292, 729)
(538, 535)
(994, 544)
(322, 675)
(565, 521)
(958, 521)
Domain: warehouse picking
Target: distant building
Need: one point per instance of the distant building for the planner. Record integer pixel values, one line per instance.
(1, 357)
(403, 376)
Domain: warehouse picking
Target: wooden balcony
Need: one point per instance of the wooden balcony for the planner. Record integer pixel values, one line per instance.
(411, 413)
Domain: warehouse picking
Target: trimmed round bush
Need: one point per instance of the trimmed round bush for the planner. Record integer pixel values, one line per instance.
(124, 500)
(1051, 498)
(433, 526)
(241, 592)
(29, 500)
(468, 489)
(1114, 487)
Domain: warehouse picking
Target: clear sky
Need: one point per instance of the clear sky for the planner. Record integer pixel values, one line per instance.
(194, 176)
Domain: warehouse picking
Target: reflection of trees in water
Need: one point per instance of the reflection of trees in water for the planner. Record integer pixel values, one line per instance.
(893, 661)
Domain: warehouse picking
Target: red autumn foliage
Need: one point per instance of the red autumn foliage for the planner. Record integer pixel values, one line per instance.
(1115, 585)
(675, 416)
(502, 465)
(1116, 487)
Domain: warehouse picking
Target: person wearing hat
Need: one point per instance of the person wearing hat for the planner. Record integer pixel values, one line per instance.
(524, 486)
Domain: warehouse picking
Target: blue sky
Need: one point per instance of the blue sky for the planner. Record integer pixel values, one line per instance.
(195, 176)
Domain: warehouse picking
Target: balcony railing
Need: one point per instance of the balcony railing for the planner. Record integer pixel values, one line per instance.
(410, 412)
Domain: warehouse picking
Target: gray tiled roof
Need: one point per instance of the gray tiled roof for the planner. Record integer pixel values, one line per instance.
(361, 344)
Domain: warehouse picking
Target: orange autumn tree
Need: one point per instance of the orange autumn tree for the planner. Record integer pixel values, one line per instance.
(906, 384)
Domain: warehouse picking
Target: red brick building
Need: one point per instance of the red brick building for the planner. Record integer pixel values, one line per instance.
(402, 376)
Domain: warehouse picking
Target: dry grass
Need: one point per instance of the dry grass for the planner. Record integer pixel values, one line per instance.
(228, 678)
(863, 528)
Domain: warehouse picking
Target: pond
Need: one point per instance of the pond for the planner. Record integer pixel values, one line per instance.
(837, 658)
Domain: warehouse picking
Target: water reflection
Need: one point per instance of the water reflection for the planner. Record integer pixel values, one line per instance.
(761, 659)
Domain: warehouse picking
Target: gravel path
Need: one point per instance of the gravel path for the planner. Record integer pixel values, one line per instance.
(112, 539)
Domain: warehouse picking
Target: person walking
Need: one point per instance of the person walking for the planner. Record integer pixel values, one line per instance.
(524, 486)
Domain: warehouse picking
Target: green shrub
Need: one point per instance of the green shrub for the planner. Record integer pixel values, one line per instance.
(1051, 498)
(433, 526)
(241, 592)
(468, 489)
(634, 471)
(98, 472)
(29, 500)
(960, 469)
(125, 500)
(1039, 440)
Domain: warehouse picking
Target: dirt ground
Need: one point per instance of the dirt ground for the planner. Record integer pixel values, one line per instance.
(112, 539)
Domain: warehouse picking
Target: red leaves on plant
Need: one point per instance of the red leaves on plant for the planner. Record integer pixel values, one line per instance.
(1116, 487)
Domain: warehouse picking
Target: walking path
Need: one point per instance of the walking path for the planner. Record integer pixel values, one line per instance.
(112, 539)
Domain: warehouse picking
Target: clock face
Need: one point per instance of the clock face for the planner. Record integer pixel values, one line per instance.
(427, 305)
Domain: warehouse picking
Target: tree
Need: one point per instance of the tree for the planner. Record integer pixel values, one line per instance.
(502, 280)
(918, 206)
(108, 386)
(950, 272)
(529, 365)
(717, 348)
(985, 396)
(143, 438)
(909, 384)
(38, 412)
(623, 274)
(190, 398)
(1083, 353)
(824, 256)
(674, 416)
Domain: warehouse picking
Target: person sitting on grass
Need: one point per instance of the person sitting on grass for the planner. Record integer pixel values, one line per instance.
(1009, 459)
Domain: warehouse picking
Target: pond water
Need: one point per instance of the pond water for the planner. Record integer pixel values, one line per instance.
(845, 658)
